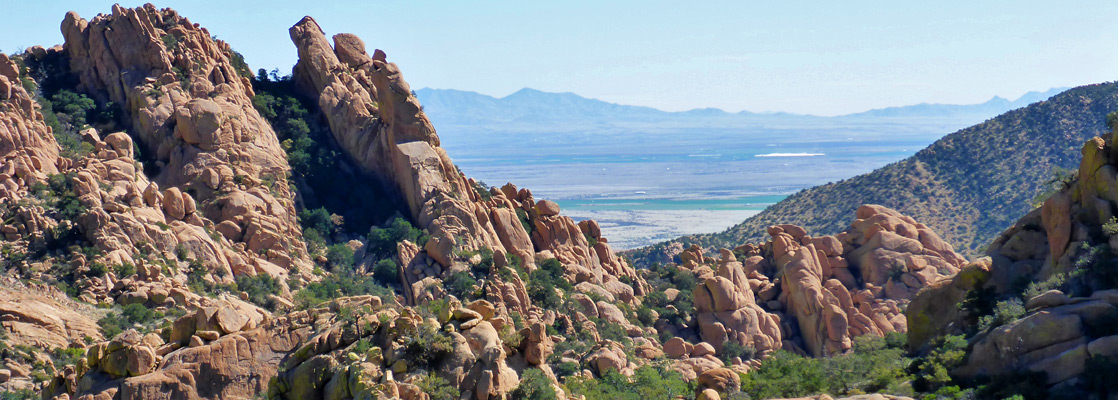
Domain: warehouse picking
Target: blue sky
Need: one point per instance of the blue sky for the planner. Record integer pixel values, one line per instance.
(822, 58)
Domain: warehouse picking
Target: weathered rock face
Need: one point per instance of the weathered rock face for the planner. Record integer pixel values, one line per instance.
(43, 317)
(934, 312)
(378, 122)
(380, 125)
(892, 254)
(1062, 328)
(225, 349)
(726, 310)
(28, 152)
(1053, 338)
(192, 109)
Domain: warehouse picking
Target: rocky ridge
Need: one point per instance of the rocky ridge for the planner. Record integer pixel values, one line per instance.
(192, 109)
(190, 193)
(813, 295)
(1052, 275)
(193, 197)
(377, 120)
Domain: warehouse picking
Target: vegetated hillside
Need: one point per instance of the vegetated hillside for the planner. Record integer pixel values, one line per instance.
(968, 186)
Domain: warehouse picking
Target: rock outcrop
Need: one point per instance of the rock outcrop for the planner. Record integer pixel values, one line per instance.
(191, 109)
(726, 310)
(173, 215)
(43, 317)
(28, 153)
(379, 124)
(1065, 314)
(1055, 338)
(891, 255)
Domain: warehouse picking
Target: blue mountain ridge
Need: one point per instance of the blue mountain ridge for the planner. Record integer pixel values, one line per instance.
(534, 106)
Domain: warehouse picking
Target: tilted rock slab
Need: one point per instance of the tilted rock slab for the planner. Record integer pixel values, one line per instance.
(380, 125)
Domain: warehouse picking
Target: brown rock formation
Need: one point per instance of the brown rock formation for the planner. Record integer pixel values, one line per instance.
(894, 255)
(28, 152)
(1062, 328)
(726, 311)
(44, 318)
(379, 124)
(376, 120)
(192, 109)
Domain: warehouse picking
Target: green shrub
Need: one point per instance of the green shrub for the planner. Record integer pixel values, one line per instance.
(1056, 281)
(590, 239)
(339, 257)
(534, 385)
(114, 323)
(181, 252)
(1110, 228)
(59, 197)
(785, 374)
(544, 280)
(482, 268)
(239, 64)
(318, 219)
(933, 369)
(482, 191)
(315, 242)
(1005, 311)
(345, 283)
(66, 356)
(140, 314)
(387, 272)
(427, 347)
(875, 365)
(196, 280)
(461, 285)
(169, 41)
(566, 369)
(648, 382)
(523, 217)
(259, 288)
(645, 315)
(18, 394)
(124, 270)
(382, 241)
(438, 388)
(732, 349)
(97, 270)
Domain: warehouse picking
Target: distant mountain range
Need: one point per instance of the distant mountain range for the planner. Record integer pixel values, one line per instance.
(968, 186)
(449, 106)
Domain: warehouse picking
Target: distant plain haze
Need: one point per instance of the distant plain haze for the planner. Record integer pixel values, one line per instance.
(822, 58)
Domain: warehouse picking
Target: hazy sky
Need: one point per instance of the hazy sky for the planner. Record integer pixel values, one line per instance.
(831, 57)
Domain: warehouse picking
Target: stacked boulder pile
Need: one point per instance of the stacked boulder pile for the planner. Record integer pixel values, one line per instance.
(813, 295)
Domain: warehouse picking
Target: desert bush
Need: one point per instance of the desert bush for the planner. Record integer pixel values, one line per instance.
(339, 257)
(427, 347)
(259, 288)
(544, 280)
(461, 285)
(387, 272)
(1005, 311)
(647, 382)
(340, 284)
(534, 385)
